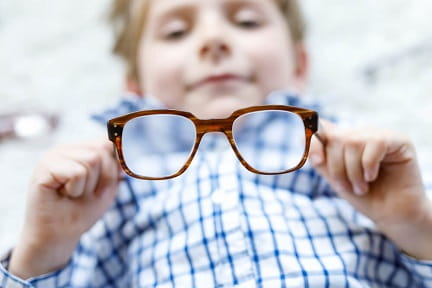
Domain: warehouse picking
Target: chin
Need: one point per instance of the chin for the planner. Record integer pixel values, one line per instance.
(220, 107)
(220, 102)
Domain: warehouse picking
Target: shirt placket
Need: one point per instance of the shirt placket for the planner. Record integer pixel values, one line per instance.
(234, 266)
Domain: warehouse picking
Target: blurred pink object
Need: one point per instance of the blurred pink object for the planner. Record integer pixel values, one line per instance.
(27, 124)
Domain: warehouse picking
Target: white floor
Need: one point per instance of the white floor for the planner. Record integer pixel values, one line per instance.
(371, 62)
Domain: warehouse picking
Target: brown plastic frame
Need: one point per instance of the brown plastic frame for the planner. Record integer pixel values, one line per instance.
(116, 125)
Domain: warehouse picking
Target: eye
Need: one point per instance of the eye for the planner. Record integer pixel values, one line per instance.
(175, 34)
(174, 29)
(247, 18)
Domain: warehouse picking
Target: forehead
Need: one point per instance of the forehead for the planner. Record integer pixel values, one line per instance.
(163, 6)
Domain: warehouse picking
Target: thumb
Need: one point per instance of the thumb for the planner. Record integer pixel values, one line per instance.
(317, 152)
(318, 143)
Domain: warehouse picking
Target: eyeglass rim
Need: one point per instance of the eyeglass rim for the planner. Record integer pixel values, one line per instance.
(116, 125)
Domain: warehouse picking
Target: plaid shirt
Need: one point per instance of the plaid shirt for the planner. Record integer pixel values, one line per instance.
(219, 225)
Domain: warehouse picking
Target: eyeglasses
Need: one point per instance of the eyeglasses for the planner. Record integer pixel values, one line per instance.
(160, 144)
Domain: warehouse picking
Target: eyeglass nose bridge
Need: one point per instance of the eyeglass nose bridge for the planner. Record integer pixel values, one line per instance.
(213, 125)
(223, 126)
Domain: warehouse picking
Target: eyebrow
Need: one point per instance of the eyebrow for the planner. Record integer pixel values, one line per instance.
(185, 8)
(163, 11)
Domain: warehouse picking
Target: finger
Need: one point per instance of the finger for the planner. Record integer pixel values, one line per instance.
(325, 129)
(75, 185)
(90, 159)
(336, 164)
(318, 144)
(93, 166)
(103, 170)
(372, 157)
(399, 149)
(353, 167)
(69, 169)
(317, 152)
(108, 147)
(101, 144)
(55, 173)
(109, 176)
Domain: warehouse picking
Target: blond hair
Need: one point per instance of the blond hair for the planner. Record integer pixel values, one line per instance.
(128, 18)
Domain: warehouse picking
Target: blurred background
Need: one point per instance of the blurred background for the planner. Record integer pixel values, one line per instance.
(371, 63)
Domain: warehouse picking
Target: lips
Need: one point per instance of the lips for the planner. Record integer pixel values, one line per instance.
(219, 79)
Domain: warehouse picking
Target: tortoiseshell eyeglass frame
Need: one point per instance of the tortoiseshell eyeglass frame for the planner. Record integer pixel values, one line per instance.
(116, 125)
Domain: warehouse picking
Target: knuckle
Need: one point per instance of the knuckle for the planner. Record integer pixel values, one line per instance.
(337, 172)
(355, 142)
(93, 160)
(62, 148)
(49, 154)
(333, 136)
(408, 142)
(380, 143)
(80, 172)
(109, 175)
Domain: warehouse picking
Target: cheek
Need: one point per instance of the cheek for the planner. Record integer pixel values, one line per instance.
(161, 77)
(274, 64)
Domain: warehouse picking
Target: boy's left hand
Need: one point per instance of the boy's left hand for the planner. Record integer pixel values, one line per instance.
(378, 173)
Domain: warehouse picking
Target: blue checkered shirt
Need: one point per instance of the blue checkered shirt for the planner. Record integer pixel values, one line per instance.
(219, 225)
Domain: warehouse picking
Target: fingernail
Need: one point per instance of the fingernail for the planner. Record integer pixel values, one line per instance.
(340, 187)
(368, 175)
(360, 190)
(371, 174)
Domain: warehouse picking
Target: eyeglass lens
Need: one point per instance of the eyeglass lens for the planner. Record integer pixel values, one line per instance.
(270, 141)
(157, 145)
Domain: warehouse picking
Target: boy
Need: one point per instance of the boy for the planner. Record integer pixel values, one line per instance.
(218, 225)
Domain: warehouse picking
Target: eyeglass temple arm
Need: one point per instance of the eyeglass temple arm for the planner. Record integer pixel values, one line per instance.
(115, 156)
(320, 133)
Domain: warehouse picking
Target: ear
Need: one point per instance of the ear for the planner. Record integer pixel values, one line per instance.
(133, 86)
(302, 66)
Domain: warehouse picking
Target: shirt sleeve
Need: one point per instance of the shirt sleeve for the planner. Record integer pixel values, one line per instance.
(421, 271)
(100, 259)
(57, 279)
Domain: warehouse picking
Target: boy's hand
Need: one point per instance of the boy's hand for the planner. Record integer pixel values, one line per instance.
(378, 173)
(72, 187)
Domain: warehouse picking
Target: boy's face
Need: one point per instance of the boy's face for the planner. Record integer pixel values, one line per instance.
(211, 57)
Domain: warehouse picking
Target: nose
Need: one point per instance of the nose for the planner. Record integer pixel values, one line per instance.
(214, 44)
(214, 50)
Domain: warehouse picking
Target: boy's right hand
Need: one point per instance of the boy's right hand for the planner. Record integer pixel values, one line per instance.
(71, 188)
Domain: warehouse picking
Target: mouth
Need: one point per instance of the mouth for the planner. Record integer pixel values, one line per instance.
(220, 79)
